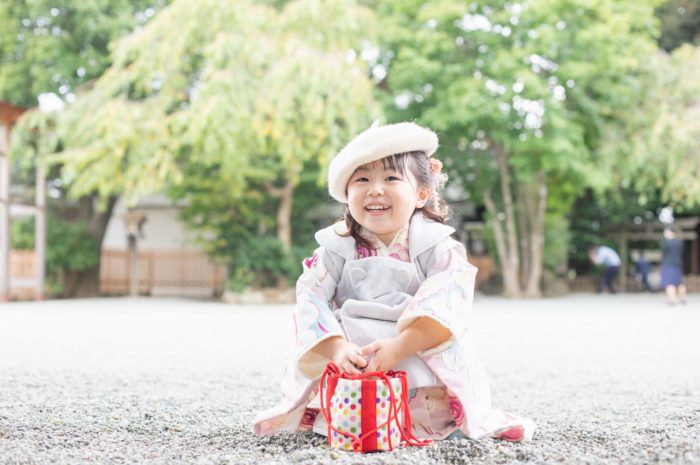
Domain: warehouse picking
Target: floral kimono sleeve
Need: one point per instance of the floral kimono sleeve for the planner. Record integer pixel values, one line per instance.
(314, 320)
(446, 295)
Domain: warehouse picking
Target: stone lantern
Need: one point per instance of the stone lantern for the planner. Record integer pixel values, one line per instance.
(134, 221)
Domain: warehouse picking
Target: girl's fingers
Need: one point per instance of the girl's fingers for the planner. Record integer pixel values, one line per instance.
(370, 348)
(373, 365)
(350, 367)
(358, 360)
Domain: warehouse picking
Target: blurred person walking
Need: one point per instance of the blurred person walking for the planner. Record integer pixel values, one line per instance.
(672, 266)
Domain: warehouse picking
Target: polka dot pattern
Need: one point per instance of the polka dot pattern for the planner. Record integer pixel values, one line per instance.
(383, 402)
(346, 413)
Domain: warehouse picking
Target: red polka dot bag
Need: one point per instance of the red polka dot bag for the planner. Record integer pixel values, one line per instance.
(367, 412)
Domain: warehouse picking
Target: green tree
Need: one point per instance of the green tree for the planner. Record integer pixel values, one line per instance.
(72, 252)
(520, 93)
(662, 157)
(223, 98)
(56, 46)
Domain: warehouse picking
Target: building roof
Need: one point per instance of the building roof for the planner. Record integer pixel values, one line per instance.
(653, 230)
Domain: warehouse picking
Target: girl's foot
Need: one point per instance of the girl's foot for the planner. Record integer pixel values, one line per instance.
(513, 434)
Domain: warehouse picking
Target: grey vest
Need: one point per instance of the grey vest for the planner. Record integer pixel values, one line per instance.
(373, 292)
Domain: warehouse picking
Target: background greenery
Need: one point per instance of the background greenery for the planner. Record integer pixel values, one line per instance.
(563, 118)
(71, 251)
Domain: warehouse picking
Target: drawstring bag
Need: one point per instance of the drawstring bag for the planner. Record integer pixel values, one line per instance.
(367, 412)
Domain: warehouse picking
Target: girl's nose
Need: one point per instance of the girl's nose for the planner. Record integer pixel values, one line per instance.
(376, 188)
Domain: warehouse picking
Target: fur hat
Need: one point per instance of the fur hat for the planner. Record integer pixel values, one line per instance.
(374, 144)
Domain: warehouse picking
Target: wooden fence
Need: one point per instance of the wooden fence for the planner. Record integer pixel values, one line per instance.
(22, 274)
(484, 264)
(178, 273)
(589, 283)
(175, 273)
(22, 264)
(181, 273)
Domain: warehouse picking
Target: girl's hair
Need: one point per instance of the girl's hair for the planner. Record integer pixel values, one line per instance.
(418, 164)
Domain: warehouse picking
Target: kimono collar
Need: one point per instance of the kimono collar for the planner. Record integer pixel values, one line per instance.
(423, 233)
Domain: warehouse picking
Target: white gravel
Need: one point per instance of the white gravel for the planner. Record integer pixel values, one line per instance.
(608, 379)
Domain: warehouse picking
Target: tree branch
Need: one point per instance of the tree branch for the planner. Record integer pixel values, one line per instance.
(276, 192)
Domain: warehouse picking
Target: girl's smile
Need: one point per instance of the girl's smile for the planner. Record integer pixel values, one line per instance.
(377, 209)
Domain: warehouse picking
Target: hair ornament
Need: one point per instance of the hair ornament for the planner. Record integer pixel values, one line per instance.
(439, 178)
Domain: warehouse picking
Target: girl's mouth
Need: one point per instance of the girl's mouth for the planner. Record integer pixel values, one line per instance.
(376, 209)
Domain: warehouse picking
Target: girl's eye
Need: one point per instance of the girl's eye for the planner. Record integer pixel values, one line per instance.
(361, 180)
(393, 178)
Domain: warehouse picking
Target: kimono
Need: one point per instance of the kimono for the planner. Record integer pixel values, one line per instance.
(349, 291)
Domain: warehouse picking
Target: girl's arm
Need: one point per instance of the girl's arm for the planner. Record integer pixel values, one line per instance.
(314, 321)
(422, 334)
(438, 314)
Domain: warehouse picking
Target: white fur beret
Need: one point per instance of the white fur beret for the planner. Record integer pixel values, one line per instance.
(374, 144)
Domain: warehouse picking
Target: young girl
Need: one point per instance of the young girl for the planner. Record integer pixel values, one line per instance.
(389, 289)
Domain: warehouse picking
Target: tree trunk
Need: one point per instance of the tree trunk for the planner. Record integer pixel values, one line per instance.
(86, 283)
(504, 178)
(284, 216)
(509, 270)
(533, 287)
(285, 195)
(524, 215)
(519, 277)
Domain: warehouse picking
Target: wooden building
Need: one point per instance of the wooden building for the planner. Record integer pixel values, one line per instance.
(632, 237)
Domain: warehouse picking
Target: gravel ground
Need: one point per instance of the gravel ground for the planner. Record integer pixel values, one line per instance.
(608, 379)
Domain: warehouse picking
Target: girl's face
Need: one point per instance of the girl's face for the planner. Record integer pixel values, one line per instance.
(382, 200)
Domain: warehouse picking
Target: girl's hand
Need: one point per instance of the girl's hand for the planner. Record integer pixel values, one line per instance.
(348, 357)
(386, 353)
(422, 334)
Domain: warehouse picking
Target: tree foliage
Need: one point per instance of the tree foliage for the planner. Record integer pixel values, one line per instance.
(235, 109)
(215, 83)
(57, 46)
(71, 250)
(654, 150)
(52, 48)
(221, 97)
(521, 94)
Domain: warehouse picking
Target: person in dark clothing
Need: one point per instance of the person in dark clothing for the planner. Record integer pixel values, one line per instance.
(643, 268)
(672, 266)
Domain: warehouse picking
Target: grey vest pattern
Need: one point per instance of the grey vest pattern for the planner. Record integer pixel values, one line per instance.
(373, 292)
